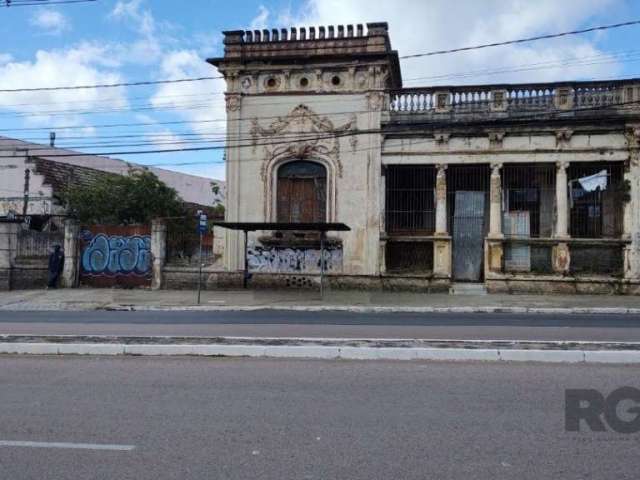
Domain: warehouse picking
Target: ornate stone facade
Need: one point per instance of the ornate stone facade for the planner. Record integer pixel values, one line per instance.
(416, 172)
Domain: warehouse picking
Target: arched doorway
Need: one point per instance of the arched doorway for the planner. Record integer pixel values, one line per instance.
(302, 192)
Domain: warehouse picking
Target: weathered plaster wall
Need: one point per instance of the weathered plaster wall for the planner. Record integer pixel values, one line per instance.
(352, 161)
(515, 147)
(12, 187)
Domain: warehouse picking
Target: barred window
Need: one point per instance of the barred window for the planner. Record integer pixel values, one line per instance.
(597, 195)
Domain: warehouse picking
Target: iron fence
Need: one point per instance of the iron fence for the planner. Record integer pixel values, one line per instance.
(529, 200)
(597, 193)
(183, 243)
(409, 257)
(410, 199)
(523, 257)
(597, 260)
(35, 244)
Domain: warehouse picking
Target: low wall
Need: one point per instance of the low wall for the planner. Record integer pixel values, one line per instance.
(186, 278)
(541, 285)
(30, 274)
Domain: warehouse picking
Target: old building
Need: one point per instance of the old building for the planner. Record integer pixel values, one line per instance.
(33, 175)
(530, 187)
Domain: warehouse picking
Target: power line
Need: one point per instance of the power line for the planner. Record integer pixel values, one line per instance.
(25, 3)
(233, 137)
(404, 57)
(522, 40)
(623, 56)
(108, 85)
(516, 120)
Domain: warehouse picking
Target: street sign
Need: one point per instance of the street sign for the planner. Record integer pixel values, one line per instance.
(202, 229)
(202, 224)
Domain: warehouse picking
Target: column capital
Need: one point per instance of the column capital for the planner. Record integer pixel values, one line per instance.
(633, 131)
(495, 168)
(562, 165)
(441, 167)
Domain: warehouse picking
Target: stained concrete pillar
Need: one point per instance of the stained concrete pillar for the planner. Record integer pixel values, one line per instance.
(158, 251)
(71, 253)
(442, 243)
(560, 254)
(494, 249)
(495, 199)
(631, 216)
(8, 252)
(441, 201)
(562, 201)
(218, 247)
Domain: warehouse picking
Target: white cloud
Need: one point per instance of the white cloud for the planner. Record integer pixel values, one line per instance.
(187, 64)
(261, 20)
(81, 65)
(147, 48)
(417, 26)
(50, 21)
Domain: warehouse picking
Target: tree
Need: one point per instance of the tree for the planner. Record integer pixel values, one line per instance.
(218, 206)
(123, 199)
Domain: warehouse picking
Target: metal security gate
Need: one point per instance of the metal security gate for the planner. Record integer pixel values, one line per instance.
(468, 188)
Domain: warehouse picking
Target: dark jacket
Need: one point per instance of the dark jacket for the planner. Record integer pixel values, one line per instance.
(56, 261)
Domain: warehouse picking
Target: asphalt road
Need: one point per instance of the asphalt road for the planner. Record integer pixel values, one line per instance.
(328, 324)
(241, 419)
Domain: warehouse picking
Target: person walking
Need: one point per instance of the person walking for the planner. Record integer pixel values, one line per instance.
(56, 264)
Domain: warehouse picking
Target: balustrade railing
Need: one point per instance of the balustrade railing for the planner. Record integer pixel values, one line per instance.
(525, 97)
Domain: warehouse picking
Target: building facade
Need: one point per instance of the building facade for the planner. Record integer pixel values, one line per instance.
(32, 177)
(530, 188)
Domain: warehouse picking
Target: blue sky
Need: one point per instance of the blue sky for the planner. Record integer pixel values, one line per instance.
(109, 41)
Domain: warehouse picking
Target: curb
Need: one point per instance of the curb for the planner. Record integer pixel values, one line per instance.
(374, 309)
(325, 352)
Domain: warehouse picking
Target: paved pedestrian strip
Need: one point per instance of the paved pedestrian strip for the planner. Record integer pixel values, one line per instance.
(72, 446)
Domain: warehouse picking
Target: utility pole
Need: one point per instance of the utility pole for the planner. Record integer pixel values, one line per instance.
(25, 204)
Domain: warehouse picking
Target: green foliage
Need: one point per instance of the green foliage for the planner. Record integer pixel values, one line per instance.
(123, 200)
(218, 208)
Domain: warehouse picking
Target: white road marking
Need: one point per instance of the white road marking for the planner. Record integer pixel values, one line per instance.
(76, 446)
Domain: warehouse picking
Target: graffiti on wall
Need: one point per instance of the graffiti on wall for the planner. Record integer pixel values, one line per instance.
(113, 256)
(118, 255)
(293, 260)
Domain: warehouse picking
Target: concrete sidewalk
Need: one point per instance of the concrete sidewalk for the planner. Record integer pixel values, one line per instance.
(326, 349)
(356, 301)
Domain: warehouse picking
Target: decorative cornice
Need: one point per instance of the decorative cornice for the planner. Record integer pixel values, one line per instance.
(300, 121)
(496, 138)
(375, 100)
(563, 136)
(442, 138)
(232, 102)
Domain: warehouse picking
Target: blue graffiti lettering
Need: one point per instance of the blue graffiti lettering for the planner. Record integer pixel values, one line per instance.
(117, 255)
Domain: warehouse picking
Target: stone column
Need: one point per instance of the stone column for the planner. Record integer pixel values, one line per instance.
(442, 243)
(8, 252)
(71, 253)
(441, 200)
(494, 249)
(561, 254)
(219, 235)
(631, 215)
(562, 201)
(158, 251)
(495, 206)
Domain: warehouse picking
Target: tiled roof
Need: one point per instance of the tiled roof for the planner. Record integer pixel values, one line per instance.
(57, 166)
